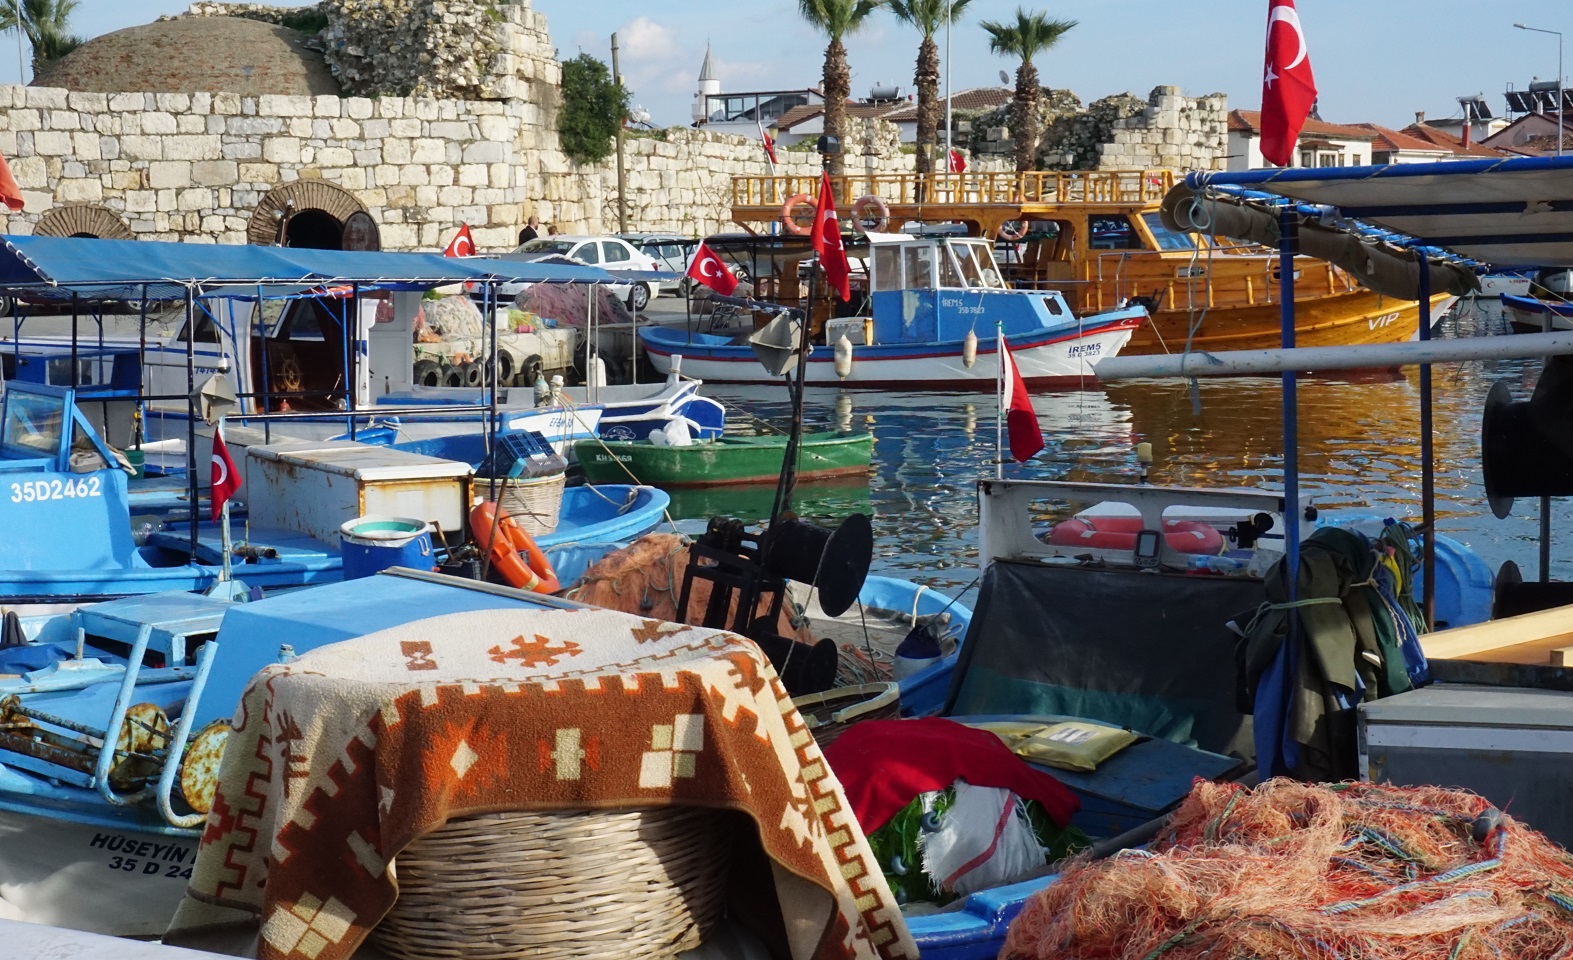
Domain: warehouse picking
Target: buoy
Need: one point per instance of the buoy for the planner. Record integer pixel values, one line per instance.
(969, 349)
(843, 357)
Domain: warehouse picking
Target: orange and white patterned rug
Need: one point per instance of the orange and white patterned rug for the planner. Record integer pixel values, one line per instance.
(342, 757)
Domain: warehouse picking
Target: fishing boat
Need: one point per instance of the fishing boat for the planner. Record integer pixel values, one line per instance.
(1531, 315)
(938, 306)
(723, 461)
(1097, 238)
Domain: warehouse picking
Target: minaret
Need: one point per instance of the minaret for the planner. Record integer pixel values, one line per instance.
(709, 86)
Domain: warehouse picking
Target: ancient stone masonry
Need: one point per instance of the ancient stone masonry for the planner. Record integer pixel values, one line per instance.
(1120, 132)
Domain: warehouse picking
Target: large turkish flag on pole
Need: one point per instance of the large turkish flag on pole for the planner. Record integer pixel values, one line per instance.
(827, 241)
(1288, 89)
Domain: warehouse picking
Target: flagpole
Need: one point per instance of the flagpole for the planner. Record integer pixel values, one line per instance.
(999, 405)
(225, 543)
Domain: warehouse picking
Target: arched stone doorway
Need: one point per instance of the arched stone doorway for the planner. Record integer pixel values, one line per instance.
(83, 220)
(311, 214)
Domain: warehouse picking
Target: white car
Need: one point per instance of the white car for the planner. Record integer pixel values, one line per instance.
(612, 253)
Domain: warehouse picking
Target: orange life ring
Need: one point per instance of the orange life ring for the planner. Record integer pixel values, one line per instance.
(792, 203)
(1011, 236)
(506, 549)
(1119, 533)
(880, 214)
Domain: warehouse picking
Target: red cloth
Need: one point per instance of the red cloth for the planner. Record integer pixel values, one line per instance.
(884, 764)
(827, 241)
(462, 244)
(1021, 421)
(10, 193)
(226, 480)
(1288, 88)
(769, 142)
(958, 163)
(712, 271)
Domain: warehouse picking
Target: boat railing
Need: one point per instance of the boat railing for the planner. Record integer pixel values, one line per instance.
(973, 188)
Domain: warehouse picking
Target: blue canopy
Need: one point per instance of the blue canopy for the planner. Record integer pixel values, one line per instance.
(1506, 212)
(60, 268)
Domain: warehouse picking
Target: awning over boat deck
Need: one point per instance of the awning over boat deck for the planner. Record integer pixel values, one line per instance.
(60, 268)
(1503, 212)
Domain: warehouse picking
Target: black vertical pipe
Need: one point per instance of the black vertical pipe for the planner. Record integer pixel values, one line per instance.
(1427, 458)
(1288, 242)
(489, 381)
(351, 343)
(74, 307)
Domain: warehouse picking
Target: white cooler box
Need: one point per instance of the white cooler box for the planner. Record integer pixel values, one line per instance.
(313, 487)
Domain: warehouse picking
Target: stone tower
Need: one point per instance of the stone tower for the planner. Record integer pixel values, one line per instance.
(709, 86)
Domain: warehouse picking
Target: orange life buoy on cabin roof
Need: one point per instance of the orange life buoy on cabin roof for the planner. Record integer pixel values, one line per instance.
(505, 551)
(792, 203)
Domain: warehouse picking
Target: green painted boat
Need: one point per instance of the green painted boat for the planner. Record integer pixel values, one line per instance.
(709, 463)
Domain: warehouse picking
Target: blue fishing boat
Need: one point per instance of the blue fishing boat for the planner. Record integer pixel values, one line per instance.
(938, 304)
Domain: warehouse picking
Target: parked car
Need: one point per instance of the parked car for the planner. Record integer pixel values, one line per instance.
(672, 252)
(614, 253)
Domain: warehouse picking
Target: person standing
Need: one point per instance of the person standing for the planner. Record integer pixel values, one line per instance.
(532, 229)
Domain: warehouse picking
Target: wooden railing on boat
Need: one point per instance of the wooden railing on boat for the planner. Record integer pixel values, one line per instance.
(990, 198)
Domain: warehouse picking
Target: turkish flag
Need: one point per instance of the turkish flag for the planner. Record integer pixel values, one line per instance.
(1288, 89)
(462, 244)
(958, 163)
(712, 271)
(827, 241)
(226, 479)
(1021, 421)
(10, 193)
(769, 142)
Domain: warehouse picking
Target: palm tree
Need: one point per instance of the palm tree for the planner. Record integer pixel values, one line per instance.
(1028, 36)
(928, 16)
(45, 24)
(837, 18)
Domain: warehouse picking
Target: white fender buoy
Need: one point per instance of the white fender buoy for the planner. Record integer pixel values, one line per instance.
(969, 349)
(843, 357)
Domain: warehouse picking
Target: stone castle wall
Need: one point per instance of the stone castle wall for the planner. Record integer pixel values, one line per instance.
(1175, 132)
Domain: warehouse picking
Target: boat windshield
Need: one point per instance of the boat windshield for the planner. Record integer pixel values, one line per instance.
(977, 264)
(1167, 239)
(33, 425)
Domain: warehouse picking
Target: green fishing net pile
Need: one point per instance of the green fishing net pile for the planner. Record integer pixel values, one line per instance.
(896, 845)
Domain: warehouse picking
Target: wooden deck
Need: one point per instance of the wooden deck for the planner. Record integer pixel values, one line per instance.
(987, 200)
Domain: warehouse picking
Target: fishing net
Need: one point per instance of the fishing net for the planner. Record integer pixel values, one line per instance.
(1326, 871)
(568, 303)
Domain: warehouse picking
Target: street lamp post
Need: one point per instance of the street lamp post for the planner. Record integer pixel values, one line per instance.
(1558, 34)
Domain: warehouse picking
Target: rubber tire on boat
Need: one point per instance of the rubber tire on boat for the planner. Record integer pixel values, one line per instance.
(504, 367)
(530, 369)
(426, 373)
(452, 376)
(471, 372)
(639, 297)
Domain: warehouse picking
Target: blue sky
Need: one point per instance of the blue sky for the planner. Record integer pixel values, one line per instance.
(1375, 60)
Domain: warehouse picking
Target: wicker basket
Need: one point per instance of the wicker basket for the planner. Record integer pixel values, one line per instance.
(534, 502)
(564, 885)
(827, 715)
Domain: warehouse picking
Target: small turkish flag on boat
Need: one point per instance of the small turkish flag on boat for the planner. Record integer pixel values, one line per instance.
(462, 244)
(10, 193)
(1288, 88)
(712, 271)
(1021, 421)
(827, 241)
(226, 480)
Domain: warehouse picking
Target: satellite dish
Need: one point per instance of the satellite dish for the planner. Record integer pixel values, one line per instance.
(1004, 78)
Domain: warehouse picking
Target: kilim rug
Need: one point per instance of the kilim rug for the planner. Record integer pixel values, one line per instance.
(342, 757)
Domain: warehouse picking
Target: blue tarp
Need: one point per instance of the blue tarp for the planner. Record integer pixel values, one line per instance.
(1506, 212)
(56, 268)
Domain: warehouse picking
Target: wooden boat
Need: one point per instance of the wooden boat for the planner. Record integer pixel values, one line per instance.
(1095, 237)
(724, 460)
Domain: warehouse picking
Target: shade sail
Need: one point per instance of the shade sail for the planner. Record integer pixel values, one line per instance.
(1514, 212)
(58, 268)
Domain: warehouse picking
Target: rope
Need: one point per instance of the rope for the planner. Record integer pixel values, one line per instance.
(573, 409)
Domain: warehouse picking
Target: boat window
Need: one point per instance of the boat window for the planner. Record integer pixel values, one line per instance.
(1112, 231)
(32, 425)
(1054, 306)
(207, 330)
(302, 320)
(1167, 239)
(887, 268)
(949, 275)
(988, 268)
(616, 252)
(969, 266)
(919, 264)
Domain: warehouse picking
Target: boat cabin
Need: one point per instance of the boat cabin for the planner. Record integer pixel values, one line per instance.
(932, 289)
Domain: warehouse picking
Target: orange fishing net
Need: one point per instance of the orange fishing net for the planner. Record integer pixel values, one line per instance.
(1350, 871)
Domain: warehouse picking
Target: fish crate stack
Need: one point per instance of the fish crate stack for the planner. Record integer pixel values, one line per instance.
(526, 478)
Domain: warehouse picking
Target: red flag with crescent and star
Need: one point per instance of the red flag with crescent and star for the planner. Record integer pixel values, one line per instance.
(225, 478)
(462, 244)
(1288, 89)
(958, 163)
(827, 241)
(712, 271)
(1021, 421)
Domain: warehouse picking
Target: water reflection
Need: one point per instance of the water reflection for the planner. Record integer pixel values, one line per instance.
(1359, 450)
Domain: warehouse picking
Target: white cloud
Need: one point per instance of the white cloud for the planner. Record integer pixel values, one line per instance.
(644, 39)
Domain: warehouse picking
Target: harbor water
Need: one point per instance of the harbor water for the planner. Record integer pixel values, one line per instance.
(1359, 451)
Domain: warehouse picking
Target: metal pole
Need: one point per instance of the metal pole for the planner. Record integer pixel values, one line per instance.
(21, 78)
(1561, 130)
(191, 413)
(1545, 502)
(622, 195)
(1427, 458)
(948, 146)
(1289, 240)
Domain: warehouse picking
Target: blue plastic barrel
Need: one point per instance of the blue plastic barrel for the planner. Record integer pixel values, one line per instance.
(372, 543)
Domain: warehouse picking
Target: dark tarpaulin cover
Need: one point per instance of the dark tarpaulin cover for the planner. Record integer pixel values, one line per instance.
(1148, 651)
